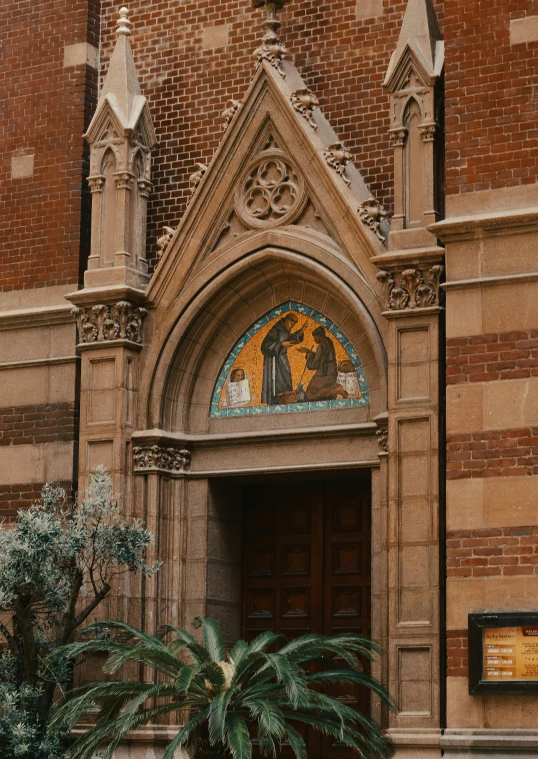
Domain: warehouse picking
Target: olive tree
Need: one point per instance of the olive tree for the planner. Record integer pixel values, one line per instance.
(58, 562)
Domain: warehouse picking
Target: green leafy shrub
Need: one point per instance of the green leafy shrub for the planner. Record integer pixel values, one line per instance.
(260, 690)
(57, 564)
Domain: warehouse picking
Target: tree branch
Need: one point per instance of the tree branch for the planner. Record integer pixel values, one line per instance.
(11, 640)
(85, 613)
(69, 613)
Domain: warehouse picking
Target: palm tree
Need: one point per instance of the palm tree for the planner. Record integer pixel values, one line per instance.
(255, 692)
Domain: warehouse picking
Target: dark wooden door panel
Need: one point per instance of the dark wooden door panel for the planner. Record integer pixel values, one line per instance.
(306, 568)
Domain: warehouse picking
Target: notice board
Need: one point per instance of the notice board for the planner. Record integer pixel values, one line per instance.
(503, 652)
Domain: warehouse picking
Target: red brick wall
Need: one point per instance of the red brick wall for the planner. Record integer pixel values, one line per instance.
(457, 646)
(491, 107)
(508, 355)
(495, 551)
(15, 497)
(44, 219)
(495, 453)
(344, 61)
(24, 425)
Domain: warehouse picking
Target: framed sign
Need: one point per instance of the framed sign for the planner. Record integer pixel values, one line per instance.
(503, 652)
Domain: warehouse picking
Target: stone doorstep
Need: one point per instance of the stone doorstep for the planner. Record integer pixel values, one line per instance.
(462, 743)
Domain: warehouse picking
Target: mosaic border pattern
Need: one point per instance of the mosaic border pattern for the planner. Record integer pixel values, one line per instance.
(217, 413)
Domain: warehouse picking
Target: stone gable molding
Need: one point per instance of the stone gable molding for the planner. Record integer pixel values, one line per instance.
(106, 323)
(163, 459)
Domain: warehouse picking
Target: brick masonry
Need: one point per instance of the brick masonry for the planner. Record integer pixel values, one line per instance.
(490, 97)
(51, 423)
(44, 224)
(484, 358)
(343, 59)
(457, 652)
(15, 497)
(499, 551)
(495, 453)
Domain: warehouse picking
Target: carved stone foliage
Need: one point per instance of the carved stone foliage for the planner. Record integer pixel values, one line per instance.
(412, 288)
(173, 460)
(338, 157)
(271, 50)
(373, 214)
(164, 241)
(383, 439)
(271, 192)
(427, 132)
(101, 323)
(304, 103)
(398, 137)
(232, 106)
(196, 178)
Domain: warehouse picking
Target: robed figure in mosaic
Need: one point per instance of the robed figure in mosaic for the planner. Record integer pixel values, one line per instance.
(323, 385)
(277, 377)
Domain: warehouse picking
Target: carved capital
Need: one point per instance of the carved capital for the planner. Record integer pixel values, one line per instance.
(412, 288)
(373, 214)
(96, 183)
(338, 157)
(398, 137)
(305, 102)
(427, 132)
(103, 323)
(156, 457)
(124, 180)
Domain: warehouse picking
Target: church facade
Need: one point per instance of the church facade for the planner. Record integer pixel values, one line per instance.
(273, 264)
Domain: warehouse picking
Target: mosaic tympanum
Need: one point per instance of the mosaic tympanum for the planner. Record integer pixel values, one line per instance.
(292, 359)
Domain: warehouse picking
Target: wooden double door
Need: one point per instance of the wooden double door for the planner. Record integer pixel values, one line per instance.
(306, 567)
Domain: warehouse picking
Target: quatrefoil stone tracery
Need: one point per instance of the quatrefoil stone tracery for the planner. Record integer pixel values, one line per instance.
(271, 193)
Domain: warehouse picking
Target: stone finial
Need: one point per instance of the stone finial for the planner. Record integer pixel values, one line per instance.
(124, 24)
(271, 50)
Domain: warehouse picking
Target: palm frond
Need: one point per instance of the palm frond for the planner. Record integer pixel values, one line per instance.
(217, 717)
(266, 685)
(212, 638)
(296, 741)
(184, 736)
(237, 736)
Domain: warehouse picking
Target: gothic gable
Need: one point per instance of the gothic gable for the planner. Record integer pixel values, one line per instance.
(279, 165)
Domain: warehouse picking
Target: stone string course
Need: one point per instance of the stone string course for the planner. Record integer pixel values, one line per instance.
(457, 650)
(485, 358)
(51, 423)
(495, 453)
(490, 552)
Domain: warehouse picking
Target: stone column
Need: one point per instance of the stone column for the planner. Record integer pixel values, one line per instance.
(413, 310)
(109, 343)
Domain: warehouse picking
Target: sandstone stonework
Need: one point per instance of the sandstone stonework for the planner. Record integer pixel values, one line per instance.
(372, 163)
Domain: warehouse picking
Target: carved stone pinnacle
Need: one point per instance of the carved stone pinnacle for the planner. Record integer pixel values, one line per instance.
(271, 50)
